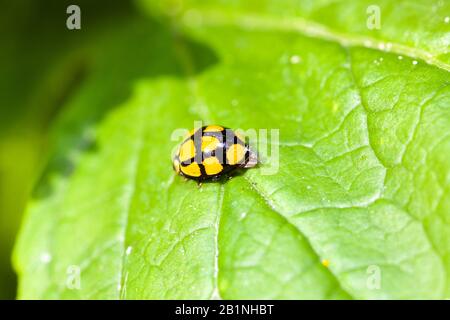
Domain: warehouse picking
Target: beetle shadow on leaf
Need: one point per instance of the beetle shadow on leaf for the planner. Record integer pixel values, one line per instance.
(240, 172)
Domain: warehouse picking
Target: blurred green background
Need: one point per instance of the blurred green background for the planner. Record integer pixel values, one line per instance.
(42, 63)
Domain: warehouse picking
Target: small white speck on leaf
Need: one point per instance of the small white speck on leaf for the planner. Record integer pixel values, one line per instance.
(367, 43)
(447, 19)
(129, 249)
(400, 57)
(414, 62)
(294, 59)
(45, 257)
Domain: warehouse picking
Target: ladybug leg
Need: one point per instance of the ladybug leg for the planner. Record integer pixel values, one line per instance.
(199, 184)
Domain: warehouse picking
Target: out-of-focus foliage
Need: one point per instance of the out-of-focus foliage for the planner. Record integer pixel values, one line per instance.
(42, 63)
(363, 178)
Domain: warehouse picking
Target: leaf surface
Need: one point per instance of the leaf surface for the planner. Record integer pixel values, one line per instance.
(361, 191)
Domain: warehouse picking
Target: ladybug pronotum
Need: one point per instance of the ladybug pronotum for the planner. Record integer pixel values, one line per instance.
(211, 152)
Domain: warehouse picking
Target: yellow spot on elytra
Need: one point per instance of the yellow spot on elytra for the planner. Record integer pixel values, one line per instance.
(235, 154)
(187, 150)
(192, 170)
(212, 165)
(326, 263)
(209, 143)
(213, 129)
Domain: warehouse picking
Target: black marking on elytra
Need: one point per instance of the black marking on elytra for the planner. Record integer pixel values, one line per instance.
(237, 140)
(187, 162)
(202, 169)
(247, 157)
(220, 154)
(230, 138)
(197, 138)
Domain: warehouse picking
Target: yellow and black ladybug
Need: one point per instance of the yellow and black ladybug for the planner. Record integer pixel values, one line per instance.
(212, 151)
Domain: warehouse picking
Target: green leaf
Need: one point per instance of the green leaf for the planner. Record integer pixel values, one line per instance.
(362, 188)
(32, 94)
(418, 28)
